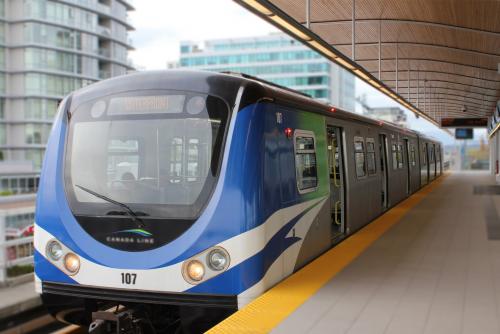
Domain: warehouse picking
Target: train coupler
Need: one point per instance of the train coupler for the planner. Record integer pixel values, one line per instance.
(125, 322)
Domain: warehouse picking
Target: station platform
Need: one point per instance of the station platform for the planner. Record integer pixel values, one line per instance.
(429, 265)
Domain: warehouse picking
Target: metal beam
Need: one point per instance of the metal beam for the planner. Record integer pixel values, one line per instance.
(409, 73)
(418, 86)
(353, 30)
(379, 48)
(397, 68)
(308, 14)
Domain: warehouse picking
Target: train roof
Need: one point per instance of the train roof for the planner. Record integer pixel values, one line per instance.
(224, 85)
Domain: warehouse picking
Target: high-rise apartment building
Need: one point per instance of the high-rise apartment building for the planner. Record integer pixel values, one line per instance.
(49, 48)
(277, 58)
(393, 115)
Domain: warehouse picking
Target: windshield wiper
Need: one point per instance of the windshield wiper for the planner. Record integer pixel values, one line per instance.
(128, 210)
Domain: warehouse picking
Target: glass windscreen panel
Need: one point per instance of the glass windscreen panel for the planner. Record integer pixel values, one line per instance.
(157, 152)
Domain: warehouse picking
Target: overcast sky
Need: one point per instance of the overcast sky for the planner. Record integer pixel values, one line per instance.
(161, 25)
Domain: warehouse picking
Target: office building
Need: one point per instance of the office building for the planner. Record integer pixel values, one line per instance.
(277, 58)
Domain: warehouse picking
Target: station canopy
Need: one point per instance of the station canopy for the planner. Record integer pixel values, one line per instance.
(439, 58)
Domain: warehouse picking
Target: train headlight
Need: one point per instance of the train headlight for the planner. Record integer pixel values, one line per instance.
(195, 271)
(54, 250)
(218, 259)
(72, 263)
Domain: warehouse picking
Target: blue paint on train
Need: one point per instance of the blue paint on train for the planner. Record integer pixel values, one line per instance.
(252, 270)
(247, 196)
(50, 271)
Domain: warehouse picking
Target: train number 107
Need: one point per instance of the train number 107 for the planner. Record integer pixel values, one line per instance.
(128, 278)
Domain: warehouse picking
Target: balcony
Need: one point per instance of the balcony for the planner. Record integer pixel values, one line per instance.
(103, 8)
(105, 31)
(104, 74)
(105, 52)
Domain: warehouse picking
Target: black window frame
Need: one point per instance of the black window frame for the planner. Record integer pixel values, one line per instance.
(371, 156)
(298, 151)
(360, 152)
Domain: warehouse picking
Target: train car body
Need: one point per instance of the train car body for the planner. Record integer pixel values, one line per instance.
(191, 193)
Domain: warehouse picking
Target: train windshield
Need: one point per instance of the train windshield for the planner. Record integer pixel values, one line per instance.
(156, 152)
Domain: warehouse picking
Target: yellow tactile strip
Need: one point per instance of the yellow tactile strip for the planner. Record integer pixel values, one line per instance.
(267, 311)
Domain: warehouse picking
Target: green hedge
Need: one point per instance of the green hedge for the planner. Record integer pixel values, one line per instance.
(19, 270)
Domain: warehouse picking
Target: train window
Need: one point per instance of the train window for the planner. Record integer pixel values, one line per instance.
(176, 150)
(359, 157)
(161, 163)
(370, 156)
(193, 160)
(413, 156)
(394, 156)
(400, 156)
(424, 156)
(305, 161)
(123, 160)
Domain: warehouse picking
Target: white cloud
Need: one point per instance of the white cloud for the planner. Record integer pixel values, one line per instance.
(161, 25)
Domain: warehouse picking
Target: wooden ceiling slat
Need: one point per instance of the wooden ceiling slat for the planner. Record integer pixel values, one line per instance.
(454, 44)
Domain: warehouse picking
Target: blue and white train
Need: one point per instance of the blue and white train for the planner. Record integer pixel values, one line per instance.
(171, 199)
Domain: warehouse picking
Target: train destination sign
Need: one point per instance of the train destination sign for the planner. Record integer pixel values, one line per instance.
(464, 122)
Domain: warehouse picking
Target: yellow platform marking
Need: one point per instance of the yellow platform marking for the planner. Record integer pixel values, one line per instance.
(268, 310)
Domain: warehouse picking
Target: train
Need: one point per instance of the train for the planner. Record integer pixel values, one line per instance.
(170, 199)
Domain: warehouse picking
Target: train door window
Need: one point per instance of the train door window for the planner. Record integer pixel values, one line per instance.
(413, 156)
(400, 156)
(370, 156)
(193, 159)
(305, 161)
(424, 155)
(394, 156)
(176, 150)
(359, 157)
(123, 160)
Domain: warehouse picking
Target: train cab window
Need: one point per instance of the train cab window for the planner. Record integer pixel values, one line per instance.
(161, 154)
(359, 157)
(370, 156)
(305, 161)
(400, 156)
(413, 156)
(394, 156)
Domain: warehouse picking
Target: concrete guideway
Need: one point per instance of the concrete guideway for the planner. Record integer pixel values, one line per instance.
(17, 299)
(430, 265)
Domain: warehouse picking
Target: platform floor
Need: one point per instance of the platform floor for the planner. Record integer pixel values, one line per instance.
(436, 271)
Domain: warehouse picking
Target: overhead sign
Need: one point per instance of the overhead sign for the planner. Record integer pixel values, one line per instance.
(464, 122)
(464, 133)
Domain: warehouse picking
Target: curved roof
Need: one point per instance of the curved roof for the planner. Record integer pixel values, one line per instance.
(447, 51)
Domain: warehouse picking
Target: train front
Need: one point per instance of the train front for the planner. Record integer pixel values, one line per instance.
(129, 207)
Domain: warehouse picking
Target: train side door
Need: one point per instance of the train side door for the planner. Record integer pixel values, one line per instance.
(384, 171)
(408, 167)
(336, 171)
